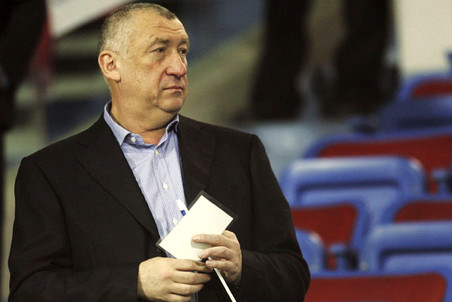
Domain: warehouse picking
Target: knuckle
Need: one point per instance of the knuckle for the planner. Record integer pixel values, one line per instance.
(193, 266)
(187, 290)
(167, 275)
(230, 234)
(192, 279)
(223, 253)
(217, 240)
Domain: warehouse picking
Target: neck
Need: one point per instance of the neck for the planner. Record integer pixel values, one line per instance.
(151, 127)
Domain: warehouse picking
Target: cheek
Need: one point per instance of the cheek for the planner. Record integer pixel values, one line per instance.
(154, 76)
(146, 79)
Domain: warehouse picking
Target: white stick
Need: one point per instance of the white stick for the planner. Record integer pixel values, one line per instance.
(183, 209)
(225, 285)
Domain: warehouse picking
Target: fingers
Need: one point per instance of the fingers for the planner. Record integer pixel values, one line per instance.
(185, 289)
(165, 279)
(225, 254)
(227, 239)
(229, 234)
(192, 266)
(191, 278)
(217, 253)
(224, 246)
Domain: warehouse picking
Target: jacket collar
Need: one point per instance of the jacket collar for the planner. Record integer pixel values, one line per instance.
(102, 157)
(197, 147)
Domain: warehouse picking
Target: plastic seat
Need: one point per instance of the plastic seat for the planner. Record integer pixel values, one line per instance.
(375, 181)
(340, 226)
(395, 286)
(425, 86)
(432, 148)
(421, 114)
(313, 249)
(408, 246)
(426, 208)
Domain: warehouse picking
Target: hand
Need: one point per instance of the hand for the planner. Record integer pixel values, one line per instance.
(225, 254)
(168, 279)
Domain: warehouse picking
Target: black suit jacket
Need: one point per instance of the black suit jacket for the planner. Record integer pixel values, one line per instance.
(82, 225)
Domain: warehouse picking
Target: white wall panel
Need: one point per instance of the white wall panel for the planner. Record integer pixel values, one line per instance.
(67, 15)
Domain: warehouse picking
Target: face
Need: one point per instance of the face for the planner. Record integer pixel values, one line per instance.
(153, 70)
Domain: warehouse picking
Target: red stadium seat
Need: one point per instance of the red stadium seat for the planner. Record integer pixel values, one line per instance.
(433, 149)
(433, 87)
(341, 227)
(425, 208)
(423, 286)
(334, 223)
(425, 86)
(424, 211)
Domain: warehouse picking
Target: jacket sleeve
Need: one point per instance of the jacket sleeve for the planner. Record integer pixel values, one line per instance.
(40, 258)
(275, 269)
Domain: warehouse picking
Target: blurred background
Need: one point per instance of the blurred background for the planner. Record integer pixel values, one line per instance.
(292, 72)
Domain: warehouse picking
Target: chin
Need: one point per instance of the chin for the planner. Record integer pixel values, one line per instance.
(173, 105)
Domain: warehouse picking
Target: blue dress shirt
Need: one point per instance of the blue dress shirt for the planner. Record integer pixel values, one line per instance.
(157, 170)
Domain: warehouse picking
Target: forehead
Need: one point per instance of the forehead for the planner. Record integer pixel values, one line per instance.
(151, 23)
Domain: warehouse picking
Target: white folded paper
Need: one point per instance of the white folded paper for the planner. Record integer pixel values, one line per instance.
(204, 217)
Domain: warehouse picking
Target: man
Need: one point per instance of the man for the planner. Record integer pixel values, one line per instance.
(355, 86)
(90, 209)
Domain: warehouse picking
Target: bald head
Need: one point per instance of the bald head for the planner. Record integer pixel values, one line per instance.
(117, 27)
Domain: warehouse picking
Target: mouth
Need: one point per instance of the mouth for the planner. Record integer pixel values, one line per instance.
(175, 87)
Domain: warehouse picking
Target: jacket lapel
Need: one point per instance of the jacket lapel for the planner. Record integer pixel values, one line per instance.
(102, 157)
(197, 151)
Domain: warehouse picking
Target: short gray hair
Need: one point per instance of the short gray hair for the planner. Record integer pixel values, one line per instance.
(117, 27)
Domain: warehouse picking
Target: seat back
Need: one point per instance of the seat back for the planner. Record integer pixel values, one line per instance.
(375, 181)
(427, 114)
(425, 86)
(426, 208)
(407, 245)
(400, 286)
(340, 226)
(433, 149)
(313, 249)
(339, 223)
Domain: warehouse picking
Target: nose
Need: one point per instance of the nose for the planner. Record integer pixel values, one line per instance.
(177, 65)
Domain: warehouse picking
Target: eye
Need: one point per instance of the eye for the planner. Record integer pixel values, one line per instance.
(159, 50)
(183, 51)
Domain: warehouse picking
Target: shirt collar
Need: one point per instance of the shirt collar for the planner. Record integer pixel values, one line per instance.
(121, 133)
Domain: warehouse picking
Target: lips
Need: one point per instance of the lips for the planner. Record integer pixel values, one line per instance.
(175, 87)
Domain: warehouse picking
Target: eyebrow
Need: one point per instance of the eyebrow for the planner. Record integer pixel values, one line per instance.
(166, 42)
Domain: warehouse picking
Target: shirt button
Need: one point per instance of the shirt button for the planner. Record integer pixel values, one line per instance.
(165, 186)
(133, 139)
(156, 152)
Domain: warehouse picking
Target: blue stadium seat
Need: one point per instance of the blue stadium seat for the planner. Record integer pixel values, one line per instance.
(407, 246)
(376, 181)
(416, 115)
(313, 249)
(432, 148)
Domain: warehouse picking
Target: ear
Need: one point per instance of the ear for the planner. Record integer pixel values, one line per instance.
(108, 65)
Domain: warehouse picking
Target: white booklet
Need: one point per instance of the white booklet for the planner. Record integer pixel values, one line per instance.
(205, 216)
